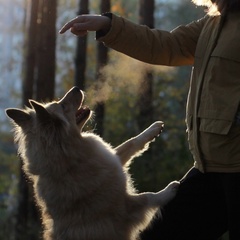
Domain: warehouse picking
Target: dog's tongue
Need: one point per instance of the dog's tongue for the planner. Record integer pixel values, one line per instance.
(80, 114)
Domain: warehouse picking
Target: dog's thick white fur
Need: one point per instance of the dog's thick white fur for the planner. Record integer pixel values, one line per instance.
(81, 183)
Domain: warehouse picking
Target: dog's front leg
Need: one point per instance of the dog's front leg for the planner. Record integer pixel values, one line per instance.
(137, 145)
(155, 200)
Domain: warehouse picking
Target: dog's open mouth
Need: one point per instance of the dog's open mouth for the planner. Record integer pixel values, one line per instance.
(82, 114)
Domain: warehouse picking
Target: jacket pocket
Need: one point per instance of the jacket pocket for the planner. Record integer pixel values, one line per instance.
(216, 126)
(230, 54)
(218, 122)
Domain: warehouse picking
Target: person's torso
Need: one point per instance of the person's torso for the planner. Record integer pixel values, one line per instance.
(215, 95)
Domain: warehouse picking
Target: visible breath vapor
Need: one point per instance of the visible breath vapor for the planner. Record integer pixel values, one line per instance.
(121, 73)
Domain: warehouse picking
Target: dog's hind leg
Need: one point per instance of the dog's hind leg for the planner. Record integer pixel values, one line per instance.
(137, 145)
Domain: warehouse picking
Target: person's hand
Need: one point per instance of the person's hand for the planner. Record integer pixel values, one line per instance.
(84, 23)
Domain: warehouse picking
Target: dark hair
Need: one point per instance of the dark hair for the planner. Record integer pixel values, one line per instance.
(227, 5)
(233, 4)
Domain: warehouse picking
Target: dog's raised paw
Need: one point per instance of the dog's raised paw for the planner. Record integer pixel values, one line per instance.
(168, 193)
(154, 130)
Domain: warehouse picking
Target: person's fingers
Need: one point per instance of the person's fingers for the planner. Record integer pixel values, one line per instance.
(78, 33)
(84, 23)
(69, 24)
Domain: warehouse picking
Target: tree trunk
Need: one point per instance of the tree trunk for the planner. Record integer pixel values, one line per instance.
(146, 13)
(39, 69)
(30, 58)
(22, 208)
(81, 51)
(22, 214)
(146, 164)
(146, 17)
(46, 50)
(102, 59)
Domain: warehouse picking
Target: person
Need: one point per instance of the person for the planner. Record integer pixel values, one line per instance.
(208, 200)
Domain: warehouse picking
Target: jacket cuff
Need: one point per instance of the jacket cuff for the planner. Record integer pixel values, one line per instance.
(117, 28)
(102, 33)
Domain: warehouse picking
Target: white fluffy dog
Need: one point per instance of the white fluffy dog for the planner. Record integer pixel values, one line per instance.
(81, 183)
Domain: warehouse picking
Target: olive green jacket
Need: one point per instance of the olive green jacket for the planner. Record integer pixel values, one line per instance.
(214, 51)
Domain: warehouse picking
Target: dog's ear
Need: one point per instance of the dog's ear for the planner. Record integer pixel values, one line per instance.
(42, 114)
(19, 116)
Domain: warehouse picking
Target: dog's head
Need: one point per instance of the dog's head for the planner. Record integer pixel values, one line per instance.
(66, 112)
(46, 132)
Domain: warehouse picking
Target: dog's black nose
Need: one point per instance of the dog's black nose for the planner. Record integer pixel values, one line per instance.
(76, 89)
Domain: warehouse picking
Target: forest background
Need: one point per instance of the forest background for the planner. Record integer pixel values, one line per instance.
(127, 95)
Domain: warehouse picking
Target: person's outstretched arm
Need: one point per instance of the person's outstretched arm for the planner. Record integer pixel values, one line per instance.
(154, 46)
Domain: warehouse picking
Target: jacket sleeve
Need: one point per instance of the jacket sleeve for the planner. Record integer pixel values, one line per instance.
(154, 46)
